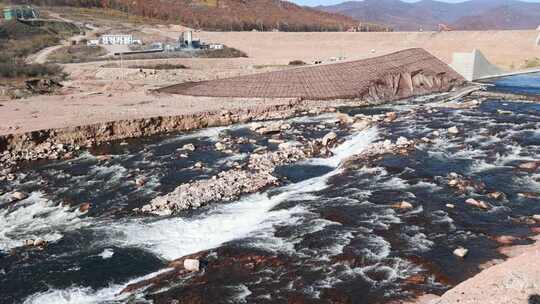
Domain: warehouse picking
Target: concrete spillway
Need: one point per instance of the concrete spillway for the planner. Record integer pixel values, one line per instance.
(395, 76)
(474, 65)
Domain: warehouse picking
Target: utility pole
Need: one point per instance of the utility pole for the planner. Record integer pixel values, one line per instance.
(122, 66)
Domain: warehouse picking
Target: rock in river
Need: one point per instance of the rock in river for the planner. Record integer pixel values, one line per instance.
(476, 203)
(19, 196)
(461, 252)
(329, 139)
(192, 265)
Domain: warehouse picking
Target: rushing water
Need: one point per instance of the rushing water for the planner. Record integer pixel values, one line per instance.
(328, 235)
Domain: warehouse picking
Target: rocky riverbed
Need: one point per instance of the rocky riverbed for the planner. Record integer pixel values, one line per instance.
(375, 205)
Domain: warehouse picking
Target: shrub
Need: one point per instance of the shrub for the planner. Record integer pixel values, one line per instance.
(297, 62)
(532, 63)
(160, 66)
(16, 70)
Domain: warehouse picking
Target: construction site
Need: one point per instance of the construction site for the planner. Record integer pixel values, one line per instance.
(304, 167)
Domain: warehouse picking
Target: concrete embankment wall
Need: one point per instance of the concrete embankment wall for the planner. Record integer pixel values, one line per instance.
(474, 65)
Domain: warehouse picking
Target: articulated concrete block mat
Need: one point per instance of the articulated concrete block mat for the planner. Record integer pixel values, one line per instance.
(395, 76)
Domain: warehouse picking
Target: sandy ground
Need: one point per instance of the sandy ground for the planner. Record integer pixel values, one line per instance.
(504, 48)
(515, 281)
(54, 112)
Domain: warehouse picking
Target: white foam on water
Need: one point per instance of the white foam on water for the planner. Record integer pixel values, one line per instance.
(527, 183)
(394, 183)
(107, 254)
(419, 242)
(382, 218)
(211, 134)
(175, 237)
(376, 248)
(73, 295)
(396, 270)
(113, 172)
(87, 295)
(242, 293)
(353, 146)
(33, 218)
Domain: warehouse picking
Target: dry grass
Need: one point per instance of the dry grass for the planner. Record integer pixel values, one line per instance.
(532, 63)
(18, 40)
(77, 54)
(96, 14)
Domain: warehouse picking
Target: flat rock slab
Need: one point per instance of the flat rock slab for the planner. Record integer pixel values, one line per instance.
(516, 280)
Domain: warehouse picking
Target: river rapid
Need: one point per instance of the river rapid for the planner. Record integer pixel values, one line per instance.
(330, 233)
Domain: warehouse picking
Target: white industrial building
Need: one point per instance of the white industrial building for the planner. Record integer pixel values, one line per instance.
(216, 46)
(118, 39)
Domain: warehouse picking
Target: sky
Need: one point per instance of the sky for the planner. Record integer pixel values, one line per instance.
(328, 2)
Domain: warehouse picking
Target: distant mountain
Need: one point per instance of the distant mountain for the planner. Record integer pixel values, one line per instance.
(428, 14)
(222, 15)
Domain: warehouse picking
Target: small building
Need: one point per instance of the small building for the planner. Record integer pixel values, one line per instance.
(9, 13)
(186, 41)
(20, 13)
(93, 42)
(216, 46)
(116, 39)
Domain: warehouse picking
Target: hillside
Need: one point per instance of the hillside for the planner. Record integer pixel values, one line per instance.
(223, 15)
(526, 16)
(427, 14)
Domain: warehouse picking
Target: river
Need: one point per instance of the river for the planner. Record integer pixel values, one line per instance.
(328, 234)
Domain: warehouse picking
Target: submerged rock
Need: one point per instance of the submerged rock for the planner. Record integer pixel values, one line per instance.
(188, 147)
(85, 207)
(103, 157)
(140, 181)
(361, 125)
(220, 146)
(19, 196)
(497, 195)
(476, 203)
(403, 205)
(40, 243)
(345, 118)
(529, 166)
(506, 239)
(329, 139)
(390, 117)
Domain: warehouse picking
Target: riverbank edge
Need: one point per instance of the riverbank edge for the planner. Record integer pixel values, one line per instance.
(507, 282)
(57, 143)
